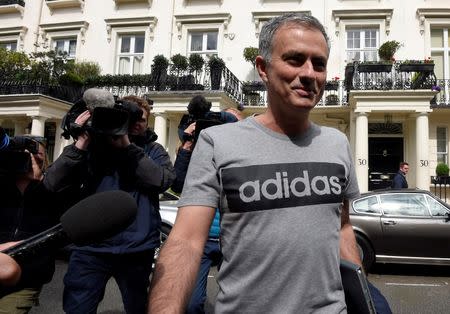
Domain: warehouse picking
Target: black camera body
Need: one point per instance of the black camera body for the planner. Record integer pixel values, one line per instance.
(15, 153)
(109, 121)
(207, 120)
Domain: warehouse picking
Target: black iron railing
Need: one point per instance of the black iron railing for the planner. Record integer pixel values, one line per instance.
(9, 2)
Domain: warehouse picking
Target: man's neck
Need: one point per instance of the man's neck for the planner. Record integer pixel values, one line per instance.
(290, 127)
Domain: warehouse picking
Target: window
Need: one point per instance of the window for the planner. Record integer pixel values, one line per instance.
(130, 57)
(67, 45)
(404, 204)
(440, 51)
(203, 42)
(436, 208)
(367, 205)
(12, 46)
(362, 44)
(442, 145)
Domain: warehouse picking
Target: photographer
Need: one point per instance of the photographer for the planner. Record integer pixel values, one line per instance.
(98, 162)
(27, 208)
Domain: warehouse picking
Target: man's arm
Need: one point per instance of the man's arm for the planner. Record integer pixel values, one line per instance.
(348, 247)
(177, 266)
(9, 270)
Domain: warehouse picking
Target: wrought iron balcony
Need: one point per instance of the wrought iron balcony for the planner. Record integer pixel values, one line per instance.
(11, 2)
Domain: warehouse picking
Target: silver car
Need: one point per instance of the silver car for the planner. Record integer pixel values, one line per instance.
(401, 226)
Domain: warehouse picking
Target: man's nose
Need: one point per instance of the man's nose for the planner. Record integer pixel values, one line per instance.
(307, 71)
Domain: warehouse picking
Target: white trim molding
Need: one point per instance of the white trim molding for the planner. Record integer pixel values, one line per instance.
(77, 28)
(222, 18)
(119, 2)
(147, 21)
(425, 14)
(260, 17)
(186, 2)
(363, 14)
(12, 8)
(62, 4)
(14, 33)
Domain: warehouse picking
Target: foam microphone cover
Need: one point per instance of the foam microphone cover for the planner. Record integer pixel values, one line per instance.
(99, 216)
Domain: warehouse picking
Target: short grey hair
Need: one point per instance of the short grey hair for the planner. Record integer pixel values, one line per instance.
(268, 30)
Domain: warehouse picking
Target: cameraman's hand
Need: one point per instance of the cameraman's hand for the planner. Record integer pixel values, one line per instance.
(84, 138)
(189, 145)
(119, 141)
(36, 169)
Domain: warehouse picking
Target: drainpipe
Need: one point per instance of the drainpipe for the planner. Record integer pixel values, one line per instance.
(37, 25)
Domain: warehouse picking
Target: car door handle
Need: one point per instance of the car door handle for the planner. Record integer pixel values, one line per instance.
(389, 222)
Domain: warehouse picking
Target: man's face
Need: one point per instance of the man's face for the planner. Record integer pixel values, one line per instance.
(404, 169)
(296, 74)
(140, 126)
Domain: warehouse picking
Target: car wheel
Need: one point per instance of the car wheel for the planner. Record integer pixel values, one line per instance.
(366, 252)
(163, 234)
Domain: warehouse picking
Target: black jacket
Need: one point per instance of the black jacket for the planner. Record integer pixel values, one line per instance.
(144, 172)
(25, 215)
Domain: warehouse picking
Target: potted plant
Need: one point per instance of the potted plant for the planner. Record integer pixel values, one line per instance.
(159, 71)
(348, 73)
(250, 54)
(331, 99)
(442, 170)
(216, 66)
(388, 49)
(196, 62)
(179, 63)
(333, 84)
(374, 66)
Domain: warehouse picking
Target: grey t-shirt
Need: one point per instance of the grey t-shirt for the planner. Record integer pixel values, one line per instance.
(279, 199)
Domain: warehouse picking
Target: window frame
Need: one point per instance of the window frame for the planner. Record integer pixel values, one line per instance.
(67, 41)
(11, 34)
(204, 51)
(132, 55)
(444, 153)
(362, 49)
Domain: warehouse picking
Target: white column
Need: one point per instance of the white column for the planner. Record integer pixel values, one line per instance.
(362, 151)
(161, 128)
(38, 126)
(422, 153)
(60, 142)
(173, 141)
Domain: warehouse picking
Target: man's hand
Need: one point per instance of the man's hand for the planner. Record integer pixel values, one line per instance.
(84, 138)
(36, 170)
(348, 247)
(189, 145)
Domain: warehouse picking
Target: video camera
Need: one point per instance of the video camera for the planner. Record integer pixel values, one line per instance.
(15, 153)
(105, 120)
(199, 112)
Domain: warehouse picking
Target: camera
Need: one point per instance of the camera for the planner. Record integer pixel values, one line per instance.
(105, 120)
(15, 153)
(199, 112)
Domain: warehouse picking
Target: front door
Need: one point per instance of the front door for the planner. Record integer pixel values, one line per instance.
(385, 155)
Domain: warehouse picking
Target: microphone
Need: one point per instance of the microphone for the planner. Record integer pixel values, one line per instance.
(91, 220)
(96, 97)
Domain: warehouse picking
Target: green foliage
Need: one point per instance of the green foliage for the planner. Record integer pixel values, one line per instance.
(160, 63)
(196, 62)
(442, 169)
(84, 69)
(180, 62)
(216, 63)
(250, 54)
(13, 65)
(48, 66)
(388, 49)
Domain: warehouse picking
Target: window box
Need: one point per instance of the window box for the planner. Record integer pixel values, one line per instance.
(374, 67)
(332, 85)
(416, 67)
(331, 100)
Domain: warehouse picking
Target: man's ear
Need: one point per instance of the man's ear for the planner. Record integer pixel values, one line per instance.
(261, 66)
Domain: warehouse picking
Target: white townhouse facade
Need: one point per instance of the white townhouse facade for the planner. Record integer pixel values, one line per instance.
(385, 119)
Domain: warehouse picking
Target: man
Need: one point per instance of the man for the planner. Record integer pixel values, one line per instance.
(96, 163)
(212, 255)
(28, 208)
(399, 180)
(279, 189)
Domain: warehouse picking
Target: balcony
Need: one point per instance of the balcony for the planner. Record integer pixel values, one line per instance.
(12, 6)
(62, 4)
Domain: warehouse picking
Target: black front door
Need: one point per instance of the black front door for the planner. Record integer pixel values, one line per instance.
(385, 155)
